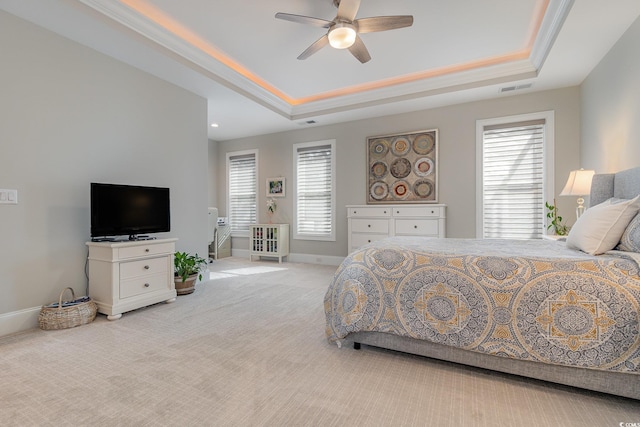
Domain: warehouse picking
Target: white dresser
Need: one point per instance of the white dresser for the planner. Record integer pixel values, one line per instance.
(124, 276)
(367, 223)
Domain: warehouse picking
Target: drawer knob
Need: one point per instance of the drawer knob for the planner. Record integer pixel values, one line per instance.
(146, 267)
(433, 211)
(369, 225)
(146, 250)
(146, 285)
(415, 226)
(397, 211)
(369, 241)
(384, 211)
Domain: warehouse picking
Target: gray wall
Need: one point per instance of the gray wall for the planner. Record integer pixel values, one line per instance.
(456, 157)
(69, 116)
(611, 108)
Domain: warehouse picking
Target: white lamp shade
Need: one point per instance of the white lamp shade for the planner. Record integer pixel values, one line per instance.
(579, 183)
(342, 35)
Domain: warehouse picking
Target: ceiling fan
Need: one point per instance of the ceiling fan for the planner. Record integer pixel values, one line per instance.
(343, 32)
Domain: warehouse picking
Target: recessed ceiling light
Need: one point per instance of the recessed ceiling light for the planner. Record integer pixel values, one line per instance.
(214, 125)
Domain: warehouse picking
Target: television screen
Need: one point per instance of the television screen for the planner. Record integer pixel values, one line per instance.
(128, 210)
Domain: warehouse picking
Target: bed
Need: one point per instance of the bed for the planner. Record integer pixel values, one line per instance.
(539, 308)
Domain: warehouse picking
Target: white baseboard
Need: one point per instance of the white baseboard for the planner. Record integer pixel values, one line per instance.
(316, 259)
(303, 258)
(18, 321)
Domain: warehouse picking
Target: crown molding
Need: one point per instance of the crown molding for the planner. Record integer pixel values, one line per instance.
(494, 74)
(554, 18)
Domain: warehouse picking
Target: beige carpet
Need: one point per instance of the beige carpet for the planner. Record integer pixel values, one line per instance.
(248, 349)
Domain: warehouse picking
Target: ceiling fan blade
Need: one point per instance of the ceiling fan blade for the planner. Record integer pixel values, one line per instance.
(359, 50)
(316, 46)
(348, 9)
(383, 23)
(316, 22)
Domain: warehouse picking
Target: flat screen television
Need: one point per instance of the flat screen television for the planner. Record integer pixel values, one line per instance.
(118, 210)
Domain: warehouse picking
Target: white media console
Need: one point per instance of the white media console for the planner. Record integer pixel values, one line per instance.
(124, 276)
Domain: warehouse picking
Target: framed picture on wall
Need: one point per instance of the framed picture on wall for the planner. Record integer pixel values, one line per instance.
(403, 168)
(275, 187)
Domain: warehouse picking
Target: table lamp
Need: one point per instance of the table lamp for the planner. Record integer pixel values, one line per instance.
(578, 184)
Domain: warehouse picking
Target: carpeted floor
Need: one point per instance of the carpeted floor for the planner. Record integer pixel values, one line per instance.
(248, 349)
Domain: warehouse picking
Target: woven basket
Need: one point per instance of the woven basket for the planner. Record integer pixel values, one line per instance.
(69, 314)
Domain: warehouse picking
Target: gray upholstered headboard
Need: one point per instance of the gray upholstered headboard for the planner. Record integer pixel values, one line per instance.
(623, 185)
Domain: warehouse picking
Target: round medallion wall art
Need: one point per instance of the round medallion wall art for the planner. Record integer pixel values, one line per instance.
(403, 168)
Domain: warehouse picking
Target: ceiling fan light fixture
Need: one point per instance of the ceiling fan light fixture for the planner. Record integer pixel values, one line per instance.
(342, 35)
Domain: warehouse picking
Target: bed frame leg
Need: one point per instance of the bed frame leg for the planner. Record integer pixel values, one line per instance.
(356, 346)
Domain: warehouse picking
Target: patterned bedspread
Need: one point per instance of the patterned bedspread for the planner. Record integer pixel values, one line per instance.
(531, 300)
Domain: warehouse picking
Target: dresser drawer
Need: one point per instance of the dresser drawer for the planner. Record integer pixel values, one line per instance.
(358, 240)
(143, 285)
(362, 225)
(144, 250)
(417, 227)
(417, 211)
(366, 211)
(145, 267)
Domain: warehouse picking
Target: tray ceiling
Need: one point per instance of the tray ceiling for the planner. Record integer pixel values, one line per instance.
(243, 60)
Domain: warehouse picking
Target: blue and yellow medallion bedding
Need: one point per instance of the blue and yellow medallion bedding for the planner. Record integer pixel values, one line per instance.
(530, 300)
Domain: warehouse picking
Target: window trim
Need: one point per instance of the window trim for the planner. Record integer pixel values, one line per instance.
(230, 154)
(548, 166)
(331, 237)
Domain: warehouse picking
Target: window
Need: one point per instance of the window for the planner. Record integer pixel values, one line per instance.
(515, 176)
(314, 190)
(242, 171)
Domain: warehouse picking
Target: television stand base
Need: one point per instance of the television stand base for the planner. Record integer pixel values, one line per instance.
(125, 276)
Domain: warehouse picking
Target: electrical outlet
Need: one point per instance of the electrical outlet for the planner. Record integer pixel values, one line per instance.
(9, 197)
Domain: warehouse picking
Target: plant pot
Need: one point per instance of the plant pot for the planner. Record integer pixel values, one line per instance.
(186, 287)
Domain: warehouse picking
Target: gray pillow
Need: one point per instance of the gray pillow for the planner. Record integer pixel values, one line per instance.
(630, 240)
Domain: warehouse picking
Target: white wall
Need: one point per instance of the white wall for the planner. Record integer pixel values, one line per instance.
(611, 108)
(456, 157)
(70, 116)
(213, 159)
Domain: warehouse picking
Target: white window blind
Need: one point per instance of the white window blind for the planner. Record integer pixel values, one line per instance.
(315, 186)
(513, 181)
(242, 191)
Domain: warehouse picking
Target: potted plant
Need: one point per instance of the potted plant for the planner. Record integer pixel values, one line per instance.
(188, 268)
(559, 228)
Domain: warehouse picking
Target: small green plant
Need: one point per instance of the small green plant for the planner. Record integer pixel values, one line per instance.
(556, 220)
(186, 264)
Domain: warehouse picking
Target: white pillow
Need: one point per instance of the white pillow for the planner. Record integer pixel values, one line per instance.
(599, 228)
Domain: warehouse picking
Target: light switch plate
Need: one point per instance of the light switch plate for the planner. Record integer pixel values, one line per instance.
(9, 197)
